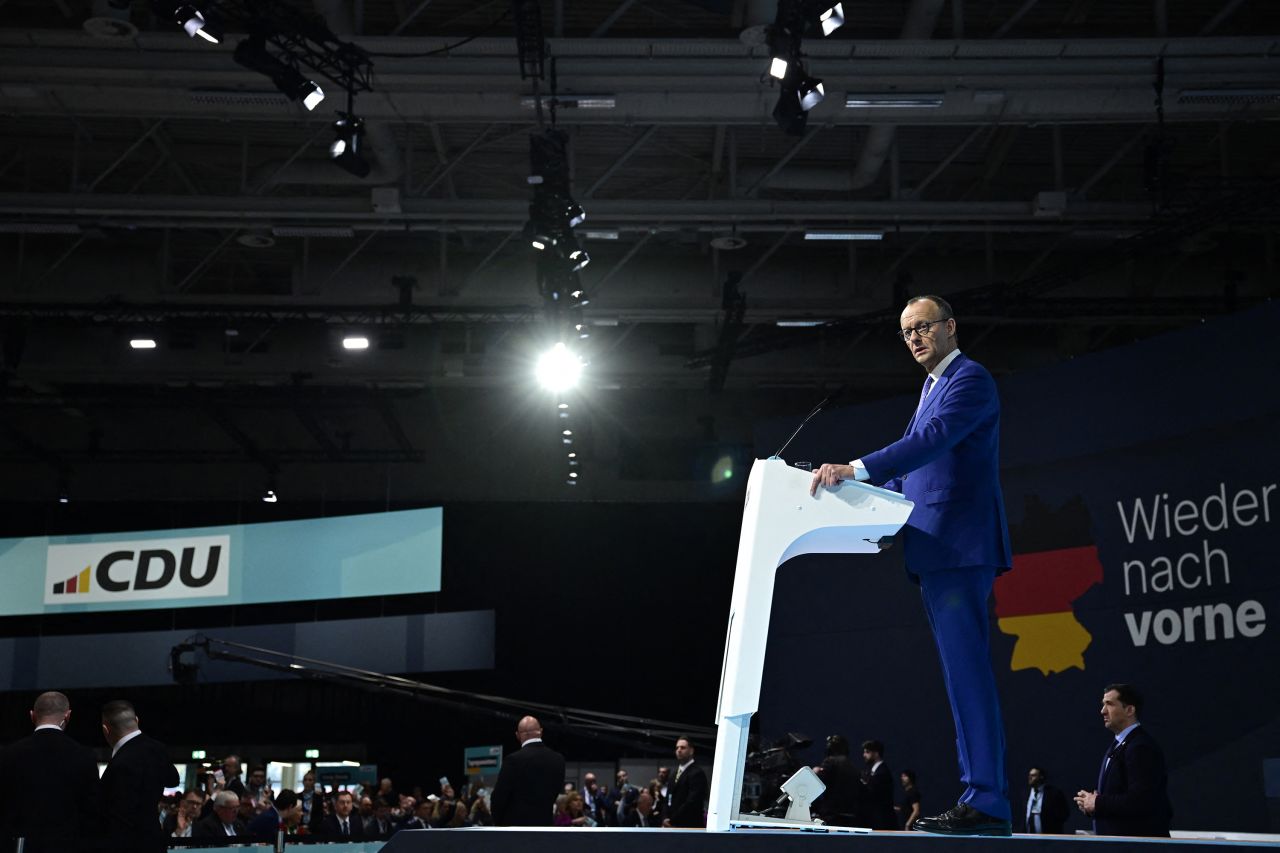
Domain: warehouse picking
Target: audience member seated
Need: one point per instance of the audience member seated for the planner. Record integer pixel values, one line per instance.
(284, 813)
(343, 824)
(224, 821)
(571, 811)
(641, 813)
(182, 823)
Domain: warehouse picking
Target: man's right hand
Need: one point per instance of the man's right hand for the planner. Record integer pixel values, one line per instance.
(830, 474)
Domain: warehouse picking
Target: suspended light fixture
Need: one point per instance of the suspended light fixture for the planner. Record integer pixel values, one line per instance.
(345, 150)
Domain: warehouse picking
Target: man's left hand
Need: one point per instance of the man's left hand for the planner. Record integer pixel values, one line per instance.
(830, 474)
(1085, 801)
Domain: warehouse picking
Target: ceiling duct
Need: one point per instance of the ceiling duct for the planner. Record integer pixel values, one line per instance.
(922, 17)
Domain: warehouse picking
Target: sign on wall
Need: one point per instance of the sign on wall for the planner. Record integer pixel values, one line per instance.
(390, 553)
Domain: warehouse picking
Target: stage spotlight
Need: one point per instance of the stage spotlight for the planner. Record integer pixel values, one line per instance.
(142, 343)
(355, 342)
(312, 95)
(345, 149)
(193, 22)
(832, 19)
(579, 258)
(252, 53)
(269, 496)
(563, 406)
(778, 68)
(573, 455)
(558, 370)
(576, 214)
(810, 93)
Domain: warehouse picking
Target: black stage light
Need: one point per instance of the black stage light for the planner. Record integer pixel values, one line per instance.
(789, 114)
(576, 214)
(810, 92)
(831, 19)
(252, 53)
(192, 20)
(345, 150)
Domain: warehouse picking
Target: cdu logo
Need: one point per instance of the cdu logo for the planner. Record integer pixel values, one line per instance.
(154, 569)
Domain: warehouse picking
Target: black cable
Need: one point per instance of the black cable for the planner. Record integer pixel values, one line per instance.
(448, 47)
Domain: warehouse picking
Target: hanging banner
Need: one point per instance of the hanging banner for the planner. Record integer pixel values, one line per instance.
(392, 553)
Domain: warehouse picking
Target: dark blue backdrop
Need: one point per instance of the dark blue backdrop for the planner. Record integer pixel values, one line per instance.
(1190, 415)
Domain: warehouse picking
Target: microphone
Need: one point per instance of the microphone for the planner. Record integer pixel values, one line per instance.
(827, 400)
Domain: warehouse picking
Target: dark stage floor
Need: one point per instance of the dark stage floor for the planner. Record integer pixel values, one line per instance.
(489, 840)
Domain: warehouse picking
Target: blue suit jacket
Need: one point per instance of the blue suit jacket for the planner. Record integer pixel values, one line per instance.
(948, 464)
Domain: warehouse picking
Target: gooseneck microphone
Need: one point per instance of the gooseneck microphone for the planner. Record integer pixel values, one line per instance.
(826, 401)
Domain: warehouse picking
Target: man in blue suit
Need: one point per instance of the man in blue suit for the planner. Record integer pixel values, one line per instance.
(955, 542)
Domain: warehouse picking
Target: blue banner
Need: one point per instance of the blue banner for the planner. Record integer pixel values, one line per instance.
(390, 553)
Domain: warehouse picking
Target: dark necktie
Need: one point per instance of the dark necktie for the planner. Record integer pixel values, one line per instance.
(346, 828)
(1106, 762)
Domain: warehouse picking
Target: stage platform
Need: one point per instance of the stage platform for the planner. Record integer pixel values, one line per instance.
(610, 840)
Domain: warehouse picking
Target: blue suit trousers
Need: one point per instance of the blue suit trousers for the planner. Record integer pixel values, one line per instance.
(956, 603)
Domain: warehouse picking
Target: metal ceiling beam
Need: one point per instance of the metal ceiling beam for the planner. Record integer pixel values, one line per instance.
(449, 166)
(386, 409)
(1009, 24)
(622, 160)
(612, 19)
(248, 446)
(777, 167)
(1101, 172)
(923, 184)
(124, 155)
(166, 211)
(311, 423)
(1228, 9)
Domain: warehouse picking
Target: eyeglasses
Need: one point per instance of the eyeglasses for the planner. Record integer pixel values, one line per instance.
(921, 329)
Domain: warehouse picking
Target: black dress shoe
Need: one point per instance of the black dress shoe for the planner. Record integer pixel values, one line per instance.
(964, 820)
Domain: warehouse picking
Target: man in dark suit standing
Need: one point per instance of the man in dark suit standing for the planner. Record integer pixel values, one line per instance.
(530, 780)
(687, 800)
(48, 783)
(1046, 812)
(134, 781)
(877, 779)
(1132, 797)
(955, 543)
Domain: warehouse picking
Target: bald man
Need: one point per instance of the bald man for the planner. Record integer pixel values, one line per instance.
(48, 783)
(530, 780)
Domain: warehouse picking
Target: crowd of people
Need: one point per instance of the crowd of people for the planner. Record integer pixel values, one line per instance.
(230, 805)
(124, 810)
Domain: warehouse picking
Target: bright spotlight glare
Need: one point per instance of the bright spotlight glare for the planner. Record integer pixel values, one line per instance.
(313, 97)
(142, 343)
(355, 342)
(337, 147)
(778, 68)
(270, 497)
(558, 369)
(832, 19)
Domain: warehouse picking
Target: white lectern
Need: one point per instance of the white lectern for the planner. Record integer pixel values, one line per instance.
(780, 521)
